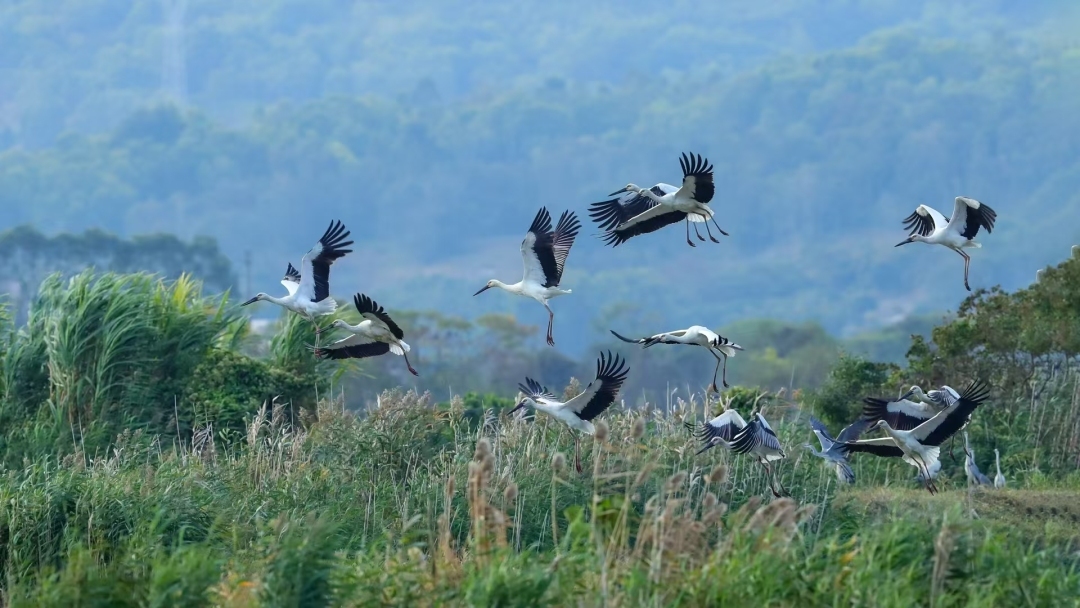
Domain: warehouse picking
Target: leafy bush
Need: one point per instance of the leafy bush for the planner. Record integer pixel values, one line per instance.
(839, 400)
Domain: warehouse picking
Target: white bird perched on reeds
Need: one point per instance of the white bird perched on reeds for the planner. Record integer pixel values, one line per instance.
(999, 479)
(310, 297)
(919, 446)
(376, 335)
(971, 470)
(927, 225)
(544, 253)
(644, 210)
(579, 412)
(695, 335)
(832, 450)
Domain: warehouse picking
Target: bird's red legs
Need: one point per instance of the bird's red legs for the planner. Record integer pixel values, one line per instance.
(967, 264)
(551, 319)
(411, 370)
(688, 241)
(718, 227)
(709, 232)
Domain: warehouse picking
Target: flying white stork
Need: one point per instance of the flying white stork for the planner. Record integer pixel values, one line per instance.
(760, 441)
(695, 335)
(310, 296)
(579, 412)
(971, 470)
(999, 479)
(376, 335)
(927, 225)
(833, 450)
(544, 253)
(919, 446)
(644, 210)
(719, 430)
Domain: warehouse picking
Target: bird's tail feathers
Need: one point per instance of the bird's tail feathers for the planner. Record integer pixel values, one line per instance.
(729, 349)
(399, 348)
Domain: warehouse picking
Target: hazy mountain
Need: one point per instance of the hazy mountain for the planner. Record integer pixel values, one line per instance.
(435, 131)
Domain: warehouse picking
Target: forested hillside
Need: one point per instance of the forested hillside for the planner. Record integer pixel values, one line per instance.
(435, 130)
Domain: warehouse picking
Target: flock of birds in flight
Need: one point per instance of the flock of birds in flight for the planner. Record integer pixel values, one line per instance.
(914, 430)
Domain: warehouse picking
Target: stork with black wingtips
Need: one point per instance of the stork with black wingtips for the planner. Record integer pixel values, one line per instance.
(927, 225)
(640, 211)
(543, 252)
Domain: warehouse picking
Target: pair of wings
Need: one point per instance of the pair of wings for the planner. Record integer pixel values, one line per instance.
(932, 430)
(634, 214)
(359, 346)
(544, 251)
(721, 429)
(968, 216)
(611, 373)
(758, 438)
(314, 282)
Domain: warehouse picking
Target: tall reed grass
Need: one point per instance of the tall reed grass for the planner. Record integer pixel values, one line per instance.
(411, 505)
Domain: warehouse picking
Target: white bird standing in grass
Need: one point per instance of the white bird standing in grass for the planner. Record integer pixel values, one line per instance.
(833, 450)
(919, 446)
(310, 296)
(999, 479)
(647, 210)
(695, 335)
(958, 233)
(376, 335)
(971, 470)
(579, 412)
(544, 253)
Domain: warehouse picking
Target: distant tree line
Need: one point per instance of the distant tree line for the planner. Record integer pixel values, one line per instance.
(30, 256)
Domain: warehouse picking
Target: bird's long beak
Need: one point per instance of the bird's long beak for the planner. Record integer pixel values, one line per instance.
(482, 290)
(518, 406)
(251, 301)
(619, 191)
(907, 395)
(904, 242)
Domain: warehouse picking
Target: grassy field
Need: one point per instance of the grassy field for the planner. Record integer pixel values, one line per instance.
(146, 460)
(412, 505)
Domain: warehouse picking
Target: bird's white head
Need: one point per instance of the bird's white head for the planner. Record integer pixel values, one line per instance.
(881, 424)
(628, 188)
(911, 392)
(258, 296)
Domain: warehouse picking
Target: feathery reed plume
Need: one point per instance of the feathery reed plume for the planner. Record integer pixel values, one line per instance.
(638, 430)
